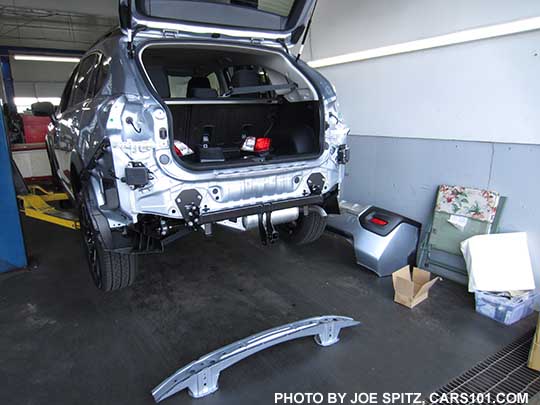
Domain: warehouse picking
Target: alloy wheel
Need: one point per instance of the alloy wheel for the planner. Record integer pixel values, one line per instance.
(91, 243)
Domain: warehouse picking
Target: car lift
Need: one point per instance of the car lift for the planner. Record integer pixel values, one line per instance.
(36, 205)
(34, 202)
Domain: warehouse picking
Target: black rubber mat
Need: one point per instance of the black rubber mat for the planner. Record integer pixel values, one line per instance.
(505, 372)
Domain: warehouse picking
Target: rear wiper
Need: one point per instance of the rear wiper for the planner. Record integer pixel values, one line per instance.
(259, 89)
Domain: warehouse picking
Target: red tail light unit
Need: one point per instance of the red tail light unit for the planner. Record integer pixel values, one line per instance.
(262, 144)
(378, 221)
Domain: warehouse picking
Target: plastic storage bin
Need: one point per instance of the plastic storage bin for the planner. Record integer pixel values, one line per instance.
(502, 309)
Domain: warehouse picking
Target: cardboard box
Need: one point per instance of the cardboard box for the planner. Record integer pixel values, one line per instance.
(534, 354)
(411, 291)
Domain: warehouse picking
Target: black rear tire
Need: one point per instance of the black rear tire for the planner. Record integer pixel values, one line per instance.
(306, 229)
(110, 270)
(117, 269)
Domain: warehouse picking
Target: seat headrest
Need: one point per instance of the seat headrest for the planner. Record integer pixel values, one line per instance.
(159, 79)
(203, 93)
(197, 83)
(245, 78)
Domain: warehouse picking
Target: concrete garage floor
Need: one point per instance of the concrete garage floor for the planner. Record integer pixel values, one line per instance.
(64, 341)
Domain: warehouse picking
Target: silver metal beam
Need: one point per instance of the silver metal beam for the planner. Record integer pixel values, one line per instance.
(200, 377)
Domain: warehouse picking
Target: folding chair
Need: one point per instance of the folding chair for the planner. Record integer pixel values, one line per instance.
(460, 213)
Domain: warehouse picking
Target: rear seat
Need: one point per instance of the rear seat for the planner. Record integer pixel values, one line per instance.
(199, 87)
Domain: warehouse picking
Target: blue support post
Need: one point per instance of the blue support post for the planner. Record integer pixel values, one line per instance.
(12, 249)
(7, 79)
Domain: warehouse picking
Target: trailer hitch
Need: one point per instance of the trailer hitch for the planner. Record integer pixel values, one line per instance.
(200, 377)
(267, 230)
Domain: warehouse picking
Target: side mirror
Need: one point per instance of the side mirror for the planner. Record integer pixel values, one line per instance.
(42, 109)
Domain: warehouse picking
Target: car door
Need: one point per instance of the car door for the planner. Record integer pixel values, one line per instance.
(283, 20)
(90, 134)
(62, 130)
(68, 139)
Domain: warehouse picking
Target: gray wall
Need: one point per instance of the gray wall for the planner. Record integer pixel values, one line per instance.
(461, 114)
(485, 91)
(345, 26)
(403, 174)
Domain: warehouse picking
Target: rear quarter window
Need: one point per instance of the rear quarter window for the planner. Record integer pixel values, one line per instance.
(83, 87)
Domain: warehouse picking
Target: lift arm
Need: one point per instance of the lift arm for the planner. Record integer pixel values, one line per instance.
(200, 377)
(35, 204)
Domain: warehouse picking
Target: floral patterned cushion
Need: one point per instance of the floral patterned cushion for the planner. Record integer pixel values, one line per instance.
(468, 202)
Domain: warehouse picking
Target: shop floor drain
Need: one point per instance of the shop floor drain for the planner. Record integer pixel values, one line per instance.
(504, 372)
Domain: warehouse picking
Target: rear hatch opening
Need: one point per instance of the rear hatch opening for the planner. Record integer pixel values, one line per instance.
(233, 106)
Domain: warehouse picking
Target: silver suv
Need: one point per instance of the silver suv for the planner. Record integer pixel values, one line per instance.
(188, 116)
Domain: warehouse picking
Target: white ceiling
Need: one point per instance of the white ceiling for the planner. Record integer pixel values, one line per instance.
(106, 8)
(55, 24)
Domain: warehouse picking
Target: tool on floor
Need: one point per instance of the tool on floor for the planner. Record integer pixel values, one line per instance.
(200, 377)
(383, 241)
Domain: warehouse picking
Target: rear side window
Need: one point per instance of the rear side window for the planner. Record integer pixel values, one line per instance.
(178, 85)
(214, 82)
(102, 71)
(66, 94)
(84, 84)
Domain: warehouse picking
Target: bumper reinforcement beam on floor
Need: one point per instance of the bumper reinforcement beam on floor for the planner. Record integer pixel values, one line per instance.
(200, 377)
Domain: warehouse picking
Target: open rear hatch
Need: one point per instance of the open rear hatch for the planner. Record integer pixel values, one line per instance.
(234, 106)
(276, 20)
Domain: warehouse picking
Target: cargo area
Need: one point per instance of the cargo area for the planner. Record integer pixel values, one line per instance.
(234, 107)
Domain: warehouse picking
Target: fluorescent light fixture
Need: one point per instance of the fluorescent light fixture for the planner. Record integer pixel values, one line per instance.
(47, 58)
(475, 34)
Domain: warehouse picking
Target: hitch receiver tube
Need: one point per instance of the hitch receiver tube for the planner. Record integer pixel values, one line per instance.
(200, 377)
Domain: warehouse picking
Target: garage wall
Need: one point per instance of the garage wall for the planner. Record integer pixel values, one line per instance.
(402, 175)
(461, 114)
(354, 25)
(482, 91)
(40, 79)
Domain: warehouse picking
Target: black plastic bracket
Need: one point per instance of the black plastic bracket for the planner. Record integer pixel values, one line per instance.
(316, 183)
(188, 202)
